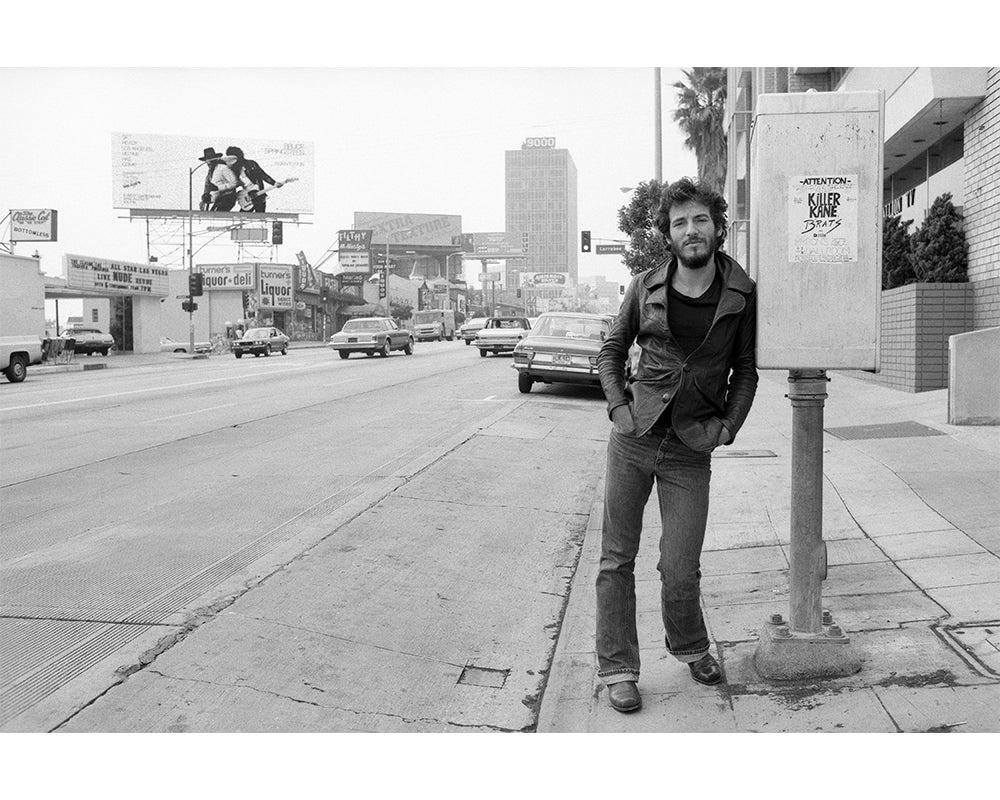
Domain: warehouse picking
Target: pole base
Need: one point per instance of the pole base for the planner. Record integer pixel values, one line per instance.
(786, 656)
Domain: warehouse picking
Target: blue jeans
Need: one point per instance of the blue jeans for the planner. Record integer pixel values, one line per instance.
(682, 481)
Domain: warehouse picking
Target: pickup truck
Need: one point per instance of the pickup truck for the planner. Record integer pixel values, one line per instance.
(16, 353)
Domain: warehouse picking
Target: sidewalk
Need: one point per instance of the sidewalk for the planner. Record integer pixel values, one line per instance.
(912, 524)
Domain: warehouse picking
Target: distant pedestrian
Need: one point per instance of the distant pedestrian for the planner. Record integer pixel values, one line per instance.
(694, 319)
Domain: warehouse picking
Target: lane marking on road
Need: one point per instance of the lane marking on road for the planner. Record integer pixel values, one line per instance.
(185, 413)
(162, 388)
(491, 397)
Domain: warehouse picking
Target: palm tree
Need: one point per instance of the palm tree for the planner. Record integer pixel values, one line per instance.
(700, 112)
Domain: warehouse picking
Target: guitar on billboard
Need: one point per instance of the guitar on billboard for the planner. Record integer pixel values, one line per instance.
(245, 196)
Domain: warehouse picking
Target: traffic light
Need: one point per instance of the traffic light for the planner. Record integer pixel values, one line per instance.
(518, 294)
(621, 288)
(277, 232)
(585, 241)
(189, 306)
(196, 284)
(324, 293)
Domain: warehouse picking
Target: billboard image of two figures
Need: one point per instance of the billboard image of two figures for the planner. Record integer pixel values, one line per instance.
(153, 172)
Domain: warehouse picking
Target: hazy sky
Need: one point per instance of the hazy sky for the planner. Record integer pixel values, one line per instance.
(410, 140)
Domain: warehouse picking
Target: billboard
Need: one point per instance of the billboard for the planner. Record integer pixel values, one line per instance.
(227, 277)
(33, 224)
(545, 279)
(496, 244)
(354, 252)
(276, 286)
(151, 171)
(409, 229)
(112, 277)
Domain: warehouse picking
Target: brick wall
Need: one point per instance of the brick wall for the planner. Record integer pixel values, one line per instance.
(917, 320)
(820, 81)
(982, 203)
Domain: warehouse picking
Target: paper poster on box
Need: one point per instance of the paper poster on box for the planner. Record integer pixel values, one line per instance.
(823, 219)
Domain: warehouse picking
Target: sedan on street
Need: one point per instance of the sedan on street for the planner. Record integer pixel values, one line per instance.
(371, 335)
(261, 342)
(89, 340)
(501, 334)
(561, 348)
(469, 330)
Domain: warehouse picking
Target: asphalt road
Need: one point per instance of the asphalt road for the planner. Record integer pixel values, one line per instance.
(141, 507)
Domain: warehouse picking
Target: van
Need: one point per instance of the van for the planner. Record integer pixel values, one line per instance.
(434, 323)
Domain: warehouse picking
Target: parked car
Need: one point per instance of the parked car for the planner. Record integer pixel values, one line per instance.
(89, 340)
(371, 335)
(261, 342)
(561, 348)
(501, 334)
(168, 345)
(469, 330)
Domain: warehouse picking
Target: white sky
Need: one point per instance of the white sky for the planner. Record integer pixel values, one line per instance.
(408, 140)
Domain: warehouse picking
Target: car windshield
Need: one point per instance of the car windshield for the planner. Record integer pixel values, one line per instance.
(426, 316)
(572, 328)
(475, 323)
(257, 333)
(507, 323)
(362, 325)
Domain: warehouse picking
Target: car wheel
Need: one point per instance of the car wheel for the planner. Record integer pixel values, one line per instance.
(386, 349)
(450, 338)
(17, 371)
(439, 337)
(104, 352)
(179, 350)
(284, 351)
(468, 343)
(238, 355)
(524, 382)
(344, 354)
(369, 353)
(482, 354)
(408, 349)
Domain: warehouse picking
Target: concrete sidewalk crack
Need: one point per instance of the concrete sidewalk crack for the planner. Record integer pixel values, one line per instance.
(349, 640)
(389, 715)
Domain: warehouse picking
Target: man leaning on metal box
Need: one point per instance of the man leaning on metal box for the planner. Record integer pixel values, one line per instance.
(694, 319)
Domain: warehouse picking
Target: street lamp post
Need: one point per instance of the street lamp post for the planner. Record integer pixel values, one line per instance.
(191, 172)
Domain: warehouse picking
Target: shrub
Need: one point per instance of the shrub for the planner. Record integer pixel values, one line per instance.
(940, 253)
(897, 253)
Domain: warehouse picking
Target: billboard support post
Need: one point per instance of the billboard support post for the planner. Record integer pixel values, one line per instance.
(191, 172)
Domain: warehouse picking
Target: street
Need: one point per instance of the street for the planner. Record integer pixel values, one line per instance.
(181, 503)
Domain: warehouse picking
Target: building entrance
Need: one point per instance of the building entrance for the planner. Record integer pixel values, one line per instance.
(120, 323)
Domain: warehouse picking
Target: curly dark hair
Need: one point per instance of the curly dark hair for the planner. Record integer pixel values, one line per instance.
(686, 190)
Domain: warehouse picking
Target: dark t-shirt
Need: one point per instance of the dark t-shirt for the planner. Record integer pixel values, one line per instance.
(689, 319)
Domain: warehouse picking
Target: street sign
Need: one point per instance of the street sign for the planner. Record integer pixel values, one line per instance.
(489, 277)
(610, 249)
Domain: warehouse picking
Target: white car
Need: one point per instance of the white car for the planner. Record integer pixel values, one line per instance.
(502, 334)
(168, 345)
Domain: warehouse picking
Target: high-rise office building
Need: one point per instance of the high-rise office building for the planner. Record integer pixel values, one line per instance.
(541, 201)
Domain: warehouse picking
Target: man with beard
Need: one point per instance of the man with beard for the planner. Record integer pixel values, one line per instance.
(694, 319)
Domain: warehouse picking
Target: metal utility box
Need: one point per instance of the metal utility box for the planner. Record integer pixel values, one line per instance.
(816, 223)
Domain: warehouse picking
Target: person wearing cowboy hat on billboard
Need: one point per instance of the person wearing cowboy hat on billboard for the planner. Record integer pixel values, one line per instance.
(221, 183)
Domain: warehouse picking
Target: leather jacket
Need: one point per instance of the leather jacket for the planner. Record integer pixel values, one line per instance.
(715, 384)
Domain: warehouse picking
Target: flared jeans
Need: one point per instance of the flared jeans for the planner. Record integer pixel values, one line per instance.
(682, 484)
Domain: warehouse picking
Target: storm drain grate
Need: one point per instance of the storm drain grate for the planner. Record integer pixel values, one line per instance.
(979, 645)
(483, 676)
(744, 454)
(884, 430)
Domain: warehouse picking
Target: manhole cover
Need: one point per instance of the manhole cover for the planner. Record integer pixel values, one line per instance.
(979, 644)
(484, 676)
(885, 430)
(744, 454)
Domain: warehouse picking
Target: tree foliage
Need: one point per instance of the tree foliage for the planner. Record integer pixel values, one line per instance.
(700, 114)
(940, 253)
(646, 247)
(401, 312)
(897, 253)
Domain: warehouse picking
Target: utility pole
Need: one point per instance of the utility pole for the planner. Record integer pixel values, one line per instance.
(657, 127)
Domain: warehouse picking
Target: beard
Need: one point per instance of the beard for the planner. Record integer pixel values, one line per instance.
(697, 260)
